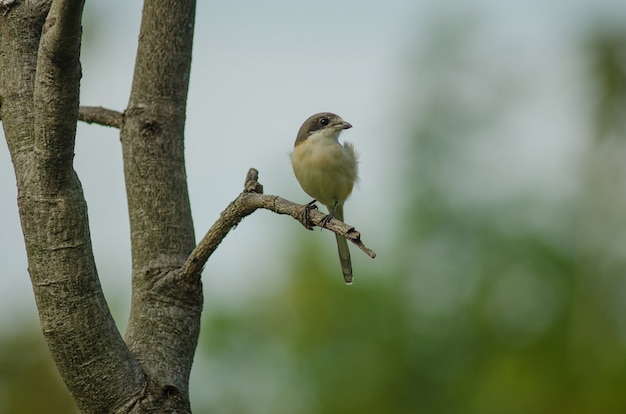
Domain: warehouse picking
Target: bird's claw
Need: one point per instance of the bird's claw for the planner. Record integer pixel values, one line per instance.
(306, 215)
(331, 214)
(326, 220)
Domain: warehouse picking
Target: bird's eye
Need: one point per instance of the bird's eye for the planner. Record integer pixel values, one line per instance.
(324, 121)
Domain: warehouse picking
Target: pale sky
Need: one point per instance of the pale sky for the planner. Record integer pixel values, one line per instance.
(259, 69)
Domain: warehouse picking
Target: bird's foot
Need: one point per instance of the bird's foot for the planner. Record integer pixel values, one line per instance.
(331, 214)
(305, 219)
(326, 220)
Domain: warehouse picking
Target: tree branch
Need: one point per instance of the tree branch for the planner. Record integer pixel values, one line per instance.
(56, 93)
(251, 199)
(97, 367)
(101, 116)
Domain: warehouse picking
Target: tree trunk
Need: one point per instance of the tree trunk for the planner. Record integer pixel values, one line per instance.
(165, 311)
(39, 103)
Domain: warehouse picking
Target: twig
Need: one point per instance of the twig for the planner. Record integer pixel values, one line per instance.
(251, 199)
(101, 116)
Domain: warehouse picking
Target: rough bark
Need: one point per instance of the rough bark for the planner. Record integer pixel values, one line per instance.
(164, 321)
(40, 44)
(39, 105)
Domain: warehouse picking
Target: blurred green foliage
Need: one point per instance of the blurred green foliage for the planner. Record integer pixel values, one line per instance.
(495, 300)
(29, 382)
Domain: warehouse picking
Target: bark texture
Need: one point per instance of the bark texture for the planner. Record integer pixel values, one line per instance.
(164, 322)
(39, 107)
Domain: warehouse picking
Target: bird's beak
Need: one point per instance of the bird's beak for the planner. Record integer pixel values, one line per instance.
(345, 125)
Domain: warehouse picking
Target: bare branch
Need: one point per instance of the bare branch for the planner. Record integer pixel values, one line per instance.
(56, 93)
(245, 204)
(101, 116)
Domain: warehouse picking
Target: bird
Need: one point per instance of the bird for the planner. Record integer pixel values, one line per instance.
(327, 171)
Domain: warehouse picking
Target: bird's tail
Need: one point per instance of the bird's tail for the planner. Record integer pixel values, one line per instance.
(342, 248)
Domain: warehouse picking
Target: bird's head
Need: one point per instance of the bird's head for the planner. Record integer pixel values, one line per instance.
(324, 124)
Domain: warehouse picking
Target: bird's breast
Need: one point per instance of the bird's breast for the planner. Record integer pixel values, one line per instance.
(325, 170)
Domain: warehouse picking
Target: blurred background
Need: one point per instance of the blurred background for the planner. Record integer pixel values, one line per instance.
(492, 141)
